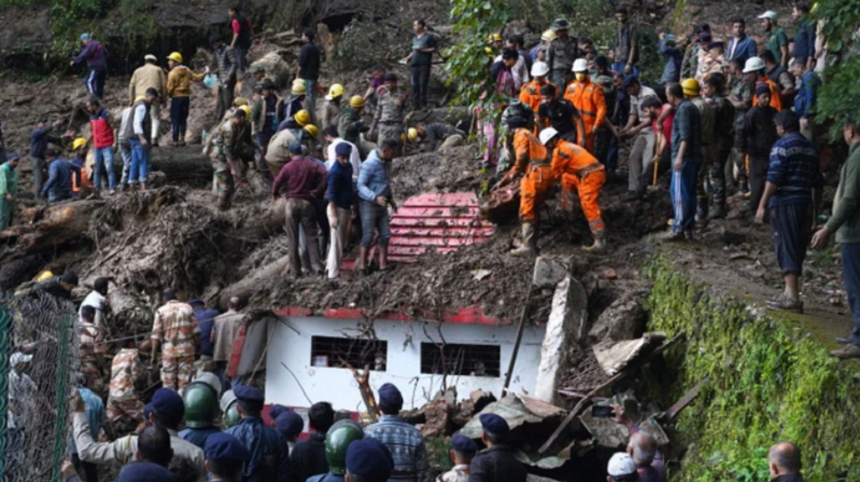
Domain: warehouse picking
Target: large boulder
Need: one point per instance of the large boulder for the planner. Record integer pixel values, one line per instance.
(624, 319)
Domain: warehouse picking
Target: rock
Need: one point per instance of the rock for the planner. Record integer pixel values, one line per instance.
(623, 320)
(609, 273)
(548, 272)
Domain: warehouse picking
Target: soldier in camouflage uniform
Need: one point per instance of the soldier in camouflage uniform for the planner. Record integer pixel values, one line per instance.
(176, 328)
(389, 113)
(561, 54)
(124, 408)
(91, 351)
(231, 153)
(741, 96)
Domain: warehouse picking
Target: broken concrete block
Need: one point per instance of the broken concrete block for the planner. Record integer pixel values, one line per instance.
(615, 356)
(548, 272)
(567, 323)
(623, 320)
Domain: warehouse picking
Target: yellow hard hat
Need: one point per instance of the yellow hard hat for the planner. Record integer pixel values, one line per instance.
(302, 117)
(175, 56)
(47, 274)
(690, 87)
(139, 98)
(311, 130)
(78, 143)
(298, 87)
(548, 35)
(336, 90)
(412, 134)
(240, 101)
(357, 101)
(488, 51)
(247, 110)
(494, 37)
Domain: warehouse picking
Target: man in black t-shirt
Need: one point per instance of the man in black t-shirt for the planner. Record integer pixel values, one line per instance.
(309, 71)
(558, 113)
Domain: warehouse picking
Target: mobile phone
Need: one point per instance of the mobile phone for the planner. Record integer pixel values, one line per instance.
(601, 411)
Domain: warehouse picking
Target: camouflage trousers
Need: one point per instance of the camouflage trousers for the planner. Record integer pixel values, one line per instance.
(177, 372)
(390, 132)
(703, 181)
(95, 379)
(718, 176)
(222, 182)
(128, 410)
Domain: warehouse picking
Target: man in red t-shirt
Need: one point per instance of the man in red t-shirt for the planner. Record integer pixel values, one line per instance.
(243, 32)
(661, 116)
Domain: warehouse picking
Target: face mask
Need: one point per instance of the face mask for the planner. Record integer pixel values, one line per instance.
(580, 76)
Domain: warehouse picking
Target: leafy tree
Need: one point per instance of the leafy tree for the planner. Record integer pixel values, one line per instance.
(840, 95)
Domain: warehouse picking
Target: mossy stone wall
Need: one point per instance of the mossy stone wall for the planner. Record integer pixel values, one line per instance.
(769, 381)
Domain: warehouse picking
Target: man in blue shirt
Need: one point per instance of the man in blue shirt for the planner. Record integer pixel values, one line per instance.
(39, 139)
(741, 46)
(95, 55)
(403, 440)
(687, 160)
(673, 54)
(269, 460)
(339, 195)
(59, 185)
(793, 175)
(806, 96)
(374, 192)
(804, 37)
(205, 320)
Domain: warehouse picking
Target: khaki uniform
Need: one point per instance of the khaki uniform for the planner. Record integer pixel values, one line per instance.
(329, 114)
(278, 151)
(176, 327)
(149, 76)
(389, 115)
(123, 400)
(121, 451)
(560, 57)
(91, 351)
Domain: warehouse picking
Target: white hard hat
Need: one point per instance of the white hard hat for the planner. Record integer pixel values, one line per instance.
(753, 64)
(580, 65)
(621, 464)
(547, 134)
(18, 358)
(540, 69)
(770, 14)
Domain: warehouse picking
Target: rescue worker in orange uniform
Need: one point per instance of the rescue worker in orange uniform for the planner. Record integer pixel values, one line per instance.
(589, 100)
(532, 163)
(530, 93)
(756, 67)
(582, 173)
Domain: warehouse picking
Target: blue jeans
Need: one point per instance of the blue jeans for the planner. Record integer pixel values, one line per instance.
(374, 218)
(683, 191)
(104, 158)
(851, 277)
(125, 152)
(139, 162)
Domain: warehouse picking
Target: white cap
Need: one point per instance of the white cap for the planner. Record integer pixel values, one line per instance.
(547, 134)
(769, 14)
(621, 464)
(540, 69)
(580, 65)
(753, 64)
(150, 57)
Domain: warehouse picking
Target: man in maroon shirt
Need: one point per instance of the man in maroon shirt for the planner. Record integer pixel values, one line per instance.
(303, 180)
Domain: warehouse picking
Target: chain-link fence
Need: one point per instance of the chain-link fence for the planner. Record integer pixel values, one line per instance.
(37, 369)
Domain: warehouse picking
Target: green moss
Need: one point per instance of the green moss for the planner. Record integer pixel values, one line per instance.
(769, 381)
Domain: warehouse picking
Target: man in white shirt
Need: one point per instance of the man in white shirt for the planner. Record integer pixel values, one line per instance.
(639, 127)
(332, 139)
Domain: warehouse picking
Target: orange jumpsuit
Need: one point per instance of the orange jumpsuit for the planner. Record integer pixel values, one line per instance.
(580, 171)
(531, 160)
(530, 94)
(775, 95)
(589, 100)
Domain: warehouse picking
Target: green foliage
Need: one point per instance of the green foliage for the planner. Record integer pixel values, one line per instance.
(838, 98)
(467, 61)
(768, 382)
(592, 18)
